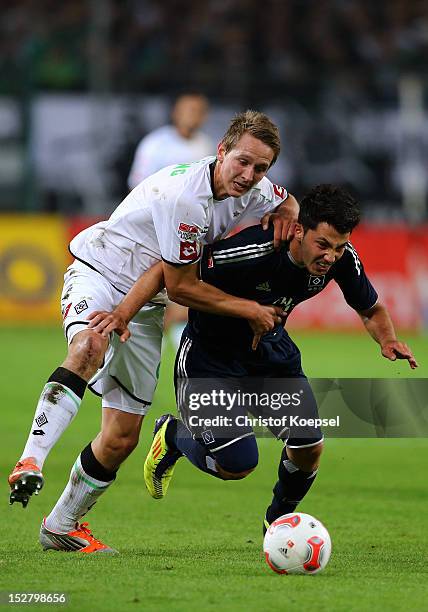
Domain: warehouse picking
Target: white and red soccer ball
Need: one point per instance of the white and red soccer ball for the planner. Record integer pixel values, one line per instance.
(297, 543)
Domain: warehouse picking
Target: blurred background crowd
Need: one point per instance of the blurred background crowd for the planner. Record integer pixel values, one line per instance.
(88, 107)
(82, 81)
(246, 50)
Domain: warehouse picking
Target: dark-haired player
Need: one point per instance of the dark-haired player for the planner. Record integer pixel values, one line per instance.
(216, 347)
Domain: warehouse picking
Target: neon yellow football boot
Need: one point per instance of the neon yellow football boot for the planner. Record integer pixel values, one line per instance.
(160, 461)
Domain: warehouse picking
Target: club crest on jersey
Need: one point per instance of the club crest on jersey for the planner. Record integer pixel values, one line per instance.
(81, 306)
(188, 232)
(316, 283)
(189, 251)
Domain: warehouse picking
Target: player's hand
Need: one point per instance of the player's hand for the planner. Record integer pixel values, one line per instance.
(265, 319)
(104, 323)
(283, 220)
(394, 349)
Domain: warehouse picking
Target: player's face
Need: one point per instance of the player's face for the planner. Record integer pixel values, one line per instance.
(242, 167)
(189, 113)
(320, 248)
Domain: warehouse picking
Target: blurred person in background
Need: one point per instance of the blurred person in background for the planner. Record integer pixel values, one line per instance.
(177, 143)
(180, 142)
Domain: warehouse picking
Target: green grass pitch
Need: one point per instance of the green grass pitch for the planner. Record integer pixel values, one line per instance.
(200, 547)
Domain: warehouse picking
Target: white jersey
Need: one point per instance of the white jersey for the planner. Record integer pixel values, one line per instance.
(168, 216)
(165, 147)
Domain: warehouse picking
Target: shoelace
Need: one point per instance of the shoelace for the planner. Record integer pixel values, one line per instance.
(27, 464)
(85, 528)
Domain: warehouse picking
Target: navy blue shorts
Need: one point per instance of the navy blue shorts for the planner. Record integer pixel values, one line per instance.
(225, 394)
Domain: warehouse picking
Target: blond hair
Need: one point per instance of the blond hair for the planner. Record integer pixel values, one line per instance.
(258, 125)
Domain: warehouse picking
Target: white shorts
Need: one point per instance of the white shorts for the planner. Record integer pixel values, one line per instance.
(128, 378)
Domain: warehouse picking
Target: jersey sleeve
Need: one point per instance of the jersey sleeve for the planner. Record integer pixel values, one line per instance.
(180, 226)
(271, 196)
(233, 262)
(356, 287)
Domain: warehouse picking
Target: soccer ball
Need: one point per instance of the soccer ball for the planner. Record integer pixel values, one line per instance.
(297, 543)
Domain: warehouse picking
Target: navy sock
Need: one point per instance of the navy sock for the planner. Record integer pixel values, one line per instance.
(178, 437)
(291, 488)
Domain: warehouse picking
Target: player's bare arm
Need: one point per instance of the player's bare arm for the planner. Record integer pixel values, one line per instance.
(283, 219)
(143, 290)
(184, 287)
(378, 323)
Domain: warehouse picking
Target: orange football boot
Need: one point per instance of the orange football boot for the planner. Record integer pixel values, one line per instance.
(78, 540)
(25, 480)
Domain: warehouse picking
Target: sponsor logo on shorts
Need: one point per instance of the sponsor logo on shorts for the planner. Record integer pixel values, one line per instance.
(81, 306)
(38, 432)
(189, 251)
(188, 232)
(207, 436)
(41, 420)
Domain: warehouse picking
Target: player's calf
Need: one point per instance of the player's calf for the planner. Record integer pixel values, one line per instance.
(306, 458)
(293, 481)
(118, 437)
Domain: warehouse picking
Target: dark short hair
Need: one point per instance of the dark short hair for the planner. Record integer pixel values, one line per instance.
(258, 125)
(329, 204)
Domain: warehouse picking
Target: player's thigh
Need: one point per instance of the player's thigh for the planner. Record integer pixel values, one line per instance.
(129, 376)
(84, 291)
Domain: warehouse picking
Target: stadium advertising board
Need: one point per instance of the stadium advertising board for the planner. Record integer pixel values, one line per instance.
(33, 258)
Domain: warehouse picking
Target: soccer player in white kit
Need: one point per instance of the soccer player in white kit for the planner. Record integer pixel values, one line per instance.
(166, 218)
(179, 142)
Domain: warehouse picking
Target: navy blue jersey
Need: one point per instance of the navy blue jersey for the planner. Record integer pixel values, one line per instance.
(246, 265)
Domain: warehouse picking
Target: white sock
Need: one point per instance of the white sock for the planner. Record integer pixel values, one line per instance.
(78, 497)
(56, 409)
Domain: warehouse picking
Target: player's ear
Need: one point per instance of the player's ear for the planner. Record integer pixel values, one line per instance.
(221, 151)
(299, 232)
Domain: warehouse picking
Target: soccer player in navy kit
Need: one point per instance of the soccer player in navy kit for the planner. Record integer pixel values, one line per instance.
(218, 347)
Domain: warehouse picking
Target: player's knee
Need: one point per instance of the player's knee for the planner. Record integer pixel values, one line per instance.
(306, 459)
(237, 460)
(88, 349)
